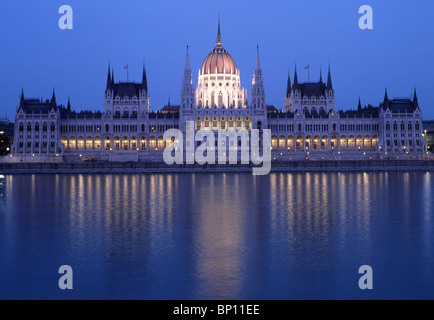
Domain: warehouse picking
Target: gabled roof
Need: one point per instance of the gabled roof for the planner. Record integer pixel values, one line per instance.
(399, 105)
(170, 109)
(127, 89)
(37, 106)
(366, 112)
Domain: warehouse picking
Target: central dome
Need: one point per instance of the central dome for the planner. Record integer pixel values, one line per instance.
(218, 60)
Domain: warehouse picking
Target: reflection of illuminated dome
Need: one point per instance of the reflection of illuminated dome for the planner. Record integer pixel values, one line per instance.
(218, 60)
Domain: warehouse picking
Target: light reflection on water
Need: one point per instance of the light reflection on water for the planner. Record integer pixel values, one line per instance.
(217, 236)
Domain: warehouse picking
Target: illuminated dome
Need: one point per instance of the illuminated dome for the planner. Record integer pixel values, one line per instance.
(219, 84)
(218, 60)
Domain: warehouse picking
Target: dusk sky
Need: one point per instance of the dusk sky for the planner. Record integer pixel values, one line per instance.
(36, 55)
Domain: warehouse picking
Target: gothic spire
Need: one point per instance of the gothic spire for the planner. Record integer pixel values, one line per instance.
(187, 62)
(386, 99)
(219, 40)
(258, 65)
(144, 79)
(359, 106)
(320, 75)
(109, 80)
(295, 84)
(68, 106)
(329, 80)
(53, 97)
(258, 92)
(415, 102)
(187, 90)
(288, 85)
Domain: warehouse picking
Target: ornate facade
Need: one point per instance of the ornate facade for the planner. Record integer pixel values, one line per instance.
(308, 127)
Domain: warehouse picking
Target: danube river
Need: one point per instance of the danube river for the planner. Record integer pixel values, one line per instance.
(218, 236)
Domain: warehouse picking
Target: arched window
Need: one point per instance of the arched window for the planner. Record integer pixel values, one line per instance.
(220, 100)
(212, 99)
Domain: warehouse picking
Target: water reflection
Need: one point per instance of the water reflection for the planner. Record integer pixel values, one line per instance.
(215, 236)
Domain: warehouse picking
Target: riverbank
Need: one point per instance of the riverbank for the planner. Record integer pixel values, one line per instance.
(154, 167)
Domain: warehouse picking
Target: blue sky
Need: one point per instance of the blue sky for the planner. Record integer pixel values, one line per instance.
(37, 55)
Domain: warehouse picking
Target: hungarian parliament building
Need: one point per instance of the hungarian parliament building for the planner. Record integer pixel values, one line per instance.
(308, 127)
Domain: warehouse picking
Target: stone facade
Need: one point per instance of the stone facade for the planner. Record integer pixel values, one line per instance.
(308, 127)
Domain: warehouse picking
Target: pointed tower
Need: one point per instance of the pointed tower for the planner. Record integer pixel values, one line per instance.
(293, 93)
(53, 99)
(288, 85)
(320, 76)
(109, 90)
(257, 99)
(109, 80)
(295, 84)
(330, 93)
(145, 102)
(385, 100)
(68, 107)
(21, 105)
(187, 90)
(288, 93)
(258, 92)
(144, 79)
(219, 41)
(329, 81)
(415, 102)
(359, 106)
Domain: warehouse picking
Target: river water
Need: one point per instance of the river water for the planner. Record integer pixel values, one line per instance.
(218, 236)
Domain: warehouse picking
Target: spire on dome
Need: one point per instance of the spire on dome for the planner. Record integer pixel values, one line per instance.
(219, 40)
